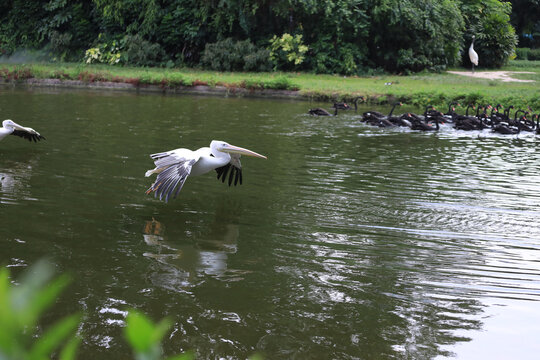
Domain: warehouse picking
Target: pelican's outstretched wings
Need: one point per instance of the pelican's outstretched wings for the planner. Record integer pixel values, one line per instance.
(28, 134)
(173, 170)
(235, 168)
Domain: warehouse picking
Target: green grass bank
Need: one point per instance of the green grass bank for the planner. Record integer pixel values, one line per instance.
(416, 90)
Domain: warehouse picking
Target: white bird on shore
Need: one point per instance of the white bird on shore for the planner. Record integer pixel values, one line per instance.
(473, 56)
(173, 167)
(9, 127)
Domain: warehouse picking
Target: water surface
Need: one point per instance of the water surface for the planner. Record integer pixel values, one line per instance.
(349, 242)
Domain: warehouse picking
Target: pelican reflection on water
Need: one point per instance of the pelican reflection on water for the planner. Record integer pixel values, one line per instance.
(181, 263)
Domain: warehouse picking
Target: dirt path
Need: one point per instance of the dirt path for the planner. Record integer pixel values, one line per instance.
(505, 76)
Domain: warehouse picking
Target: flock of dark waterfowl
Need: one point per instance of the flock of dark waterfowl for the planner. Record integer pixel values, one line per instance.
(496, 118)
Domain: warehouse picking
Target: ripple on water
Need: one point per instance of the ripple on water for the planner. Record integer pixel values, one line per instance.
(349, 241)
(443, 220)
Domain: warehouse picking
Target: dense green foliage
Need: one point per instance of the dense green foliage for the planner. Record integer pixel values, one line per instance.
(340, 36)
(527, 54)
(21, 331)
(489, 21)
(416, 34)
(230, 55)
(526, 20)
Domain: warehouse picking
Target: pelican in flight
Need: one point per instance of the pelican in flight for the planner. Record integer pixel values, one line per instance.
(10, 127)
(173, 167)
(473, 56)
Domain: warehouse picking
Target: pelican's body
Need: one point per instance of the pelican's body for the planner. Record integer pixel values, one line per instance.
(473, 56)
(173, 167)
(9, 127)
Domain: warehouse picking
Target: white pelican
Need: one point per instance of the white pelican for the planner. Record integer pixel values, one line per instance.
(9, 127)
(473, 56)
(174, 166)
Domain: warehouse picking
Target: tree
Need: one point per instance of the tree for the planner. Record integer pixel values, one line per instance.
(489, 21)
(412, 35)
(18, 20)
(526, 20)
(343, 36)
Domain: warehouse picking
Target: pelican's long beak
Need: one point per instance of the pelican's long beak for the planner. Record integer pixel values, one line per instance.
(14, 124)
(238, 150)
(20, 127)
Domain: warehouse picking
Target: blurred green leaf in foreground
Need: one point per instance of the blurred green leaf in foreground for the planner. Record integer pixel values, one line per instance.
(21, 306)
(145, 337)
(24, 337)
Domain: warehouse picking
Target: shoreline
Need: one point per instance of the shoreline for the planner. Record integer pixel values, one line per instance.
(207, 90)
(416, 90)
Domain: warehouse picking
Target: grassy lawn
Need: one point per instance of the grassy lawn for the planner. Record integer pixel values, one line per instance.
(417, 89)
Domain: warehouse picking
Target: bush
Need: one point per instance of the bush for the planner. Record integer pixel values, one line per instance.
(522, 53)
(140, 52)
(105, 52)
(231, 55)
(60, 44)
(258, 61)
(280, 83)
(131, 50)
(534, 54)
(343, 59)
(22, 335)
(287, 52)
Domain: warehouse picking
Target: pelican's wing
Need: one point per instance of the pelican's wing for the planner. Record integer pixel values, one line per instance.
(174, 170)
(27, 133)
(233, 168)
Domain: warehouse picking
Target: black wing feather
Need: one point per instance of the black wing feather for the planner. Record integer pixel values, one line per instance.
(231, 175)
(220, 171)
(238, 171)
(229, 170)
(225, 172)
(28, 136)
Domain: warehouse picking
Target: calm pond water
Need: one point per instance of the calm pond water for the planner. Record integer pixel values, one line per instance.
(349, 242)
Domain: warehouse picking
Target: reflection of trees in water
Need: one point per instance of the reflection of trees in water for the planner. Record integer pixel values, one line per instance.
(180, 265)
(355, 278)
(14, 176)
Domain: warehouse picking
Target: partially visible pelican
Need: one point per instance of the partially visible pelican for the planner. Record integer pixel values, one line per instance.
(473, 56)
(173, 167)
(9, 127)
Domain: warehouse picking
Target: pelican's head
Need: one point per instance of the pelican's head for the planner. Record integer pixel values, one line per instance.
(231, 149)
(9, 124)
